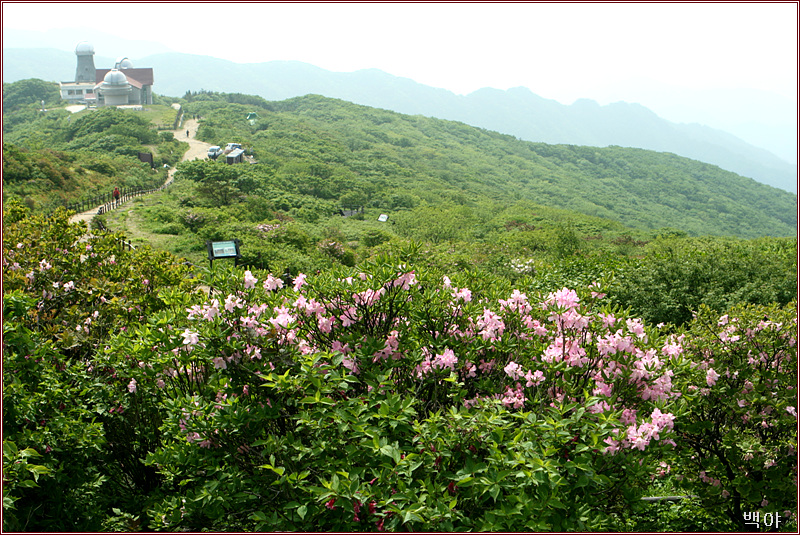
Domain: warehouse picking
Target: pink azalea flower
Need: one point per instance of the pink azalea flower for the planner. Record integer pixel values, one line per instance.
(672, 350)
(368, 297)
(325, 324)
(464, 294)
(608, 320)
(299, 282)
(564, 298)
(534, 378)
(517, 302)
(602, 389)
(662, 420)
(249, 280)
(628, 416)
(447, 359)
(491, 325)
(351, 364)
(486, 367)
(613, 446)
(272, 283)
(513, 370)
(190, 338)
(232, 302)
(283, 319)
(406, 280)
(635, 326)
(711, 377)
(211, 311)
(514, 398)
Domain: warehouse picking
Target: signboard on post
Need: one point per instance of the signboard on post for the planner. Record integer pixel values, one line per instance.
(223, 249)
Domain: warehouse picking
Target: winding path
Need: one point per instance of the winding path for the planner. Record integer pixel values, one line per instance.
(197, 149)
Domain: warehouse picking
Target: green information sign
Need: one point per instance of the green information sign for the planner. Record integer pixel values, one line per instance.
(223, 249)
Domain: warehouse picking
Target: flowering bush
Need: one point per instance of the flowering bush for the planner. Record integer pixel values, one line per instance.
(63, 295)
(738, 445)
(382, 397)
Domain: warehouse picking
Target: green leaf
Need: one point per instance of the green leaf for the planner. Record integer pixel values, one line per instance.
(391, 451)
(9, 449)
(278, 470)
(259, 516)
(409, 515)
(302, 510)
(37, 470)
(29, 452)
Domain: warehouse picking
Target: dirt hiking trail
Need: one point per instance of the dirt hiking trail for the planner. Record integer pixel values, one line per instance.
(197, 149)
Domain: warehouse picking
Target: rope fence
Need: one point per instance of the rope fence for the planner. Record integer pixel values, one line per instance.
(106, 202)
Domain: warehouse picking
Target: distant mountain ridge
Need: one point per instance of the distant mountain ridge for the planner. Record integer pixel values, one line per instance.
(517, 111)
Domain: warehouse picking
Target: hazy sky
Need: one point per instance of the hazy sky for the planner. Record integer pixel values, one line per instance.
(560, 51)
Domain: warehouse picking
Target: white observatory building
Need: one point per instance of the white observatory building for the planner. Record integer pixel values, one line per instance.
(109, 86)
(82, 89)
(114, 90)
(121, 86)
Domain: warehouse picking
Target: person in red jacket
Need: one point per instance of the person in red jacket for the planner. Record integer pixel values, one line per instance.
(116, 194)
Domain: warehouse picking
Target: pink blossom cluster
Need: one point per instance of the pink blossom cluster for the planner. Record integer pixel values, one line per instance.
(491, 325)
(390, 348)
(447, 359)
(639, 437)
(514, 397)
(570, 335)
(518, 302)
(710, 480)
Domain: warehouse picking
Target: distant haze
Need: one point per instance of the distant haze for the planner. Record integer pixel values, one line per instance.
(731, 66)
(561, 51)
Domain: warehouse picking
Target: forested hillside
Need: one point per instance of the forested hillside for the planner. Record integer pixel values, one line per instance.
(377, 154)
(516, 111)
(335, 152)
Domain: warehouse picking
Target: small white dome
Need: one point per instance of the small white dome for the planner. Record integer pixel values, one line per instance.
(84, 48)
(115, 77)
(124, 63)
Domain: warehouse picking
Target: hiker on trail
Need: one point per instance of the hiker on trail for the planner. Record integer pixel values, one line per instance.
(116, 194)
(187, 133)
